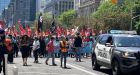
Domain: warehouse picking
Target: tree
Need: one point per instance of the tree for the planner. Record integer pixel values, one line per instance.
(113, 16)
(67, 18)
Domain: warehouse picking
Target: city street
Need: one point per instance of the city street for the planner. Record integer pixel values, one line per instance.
(74, 68)
(108, 30)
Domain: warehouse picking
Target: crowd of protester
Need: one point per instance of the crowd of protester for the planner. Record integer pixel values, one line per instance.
(45, 47)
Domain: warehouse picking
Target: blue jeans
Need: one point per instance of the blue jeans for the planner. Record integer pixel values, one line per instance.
(63, 56)
(78, 53)
(51, 55)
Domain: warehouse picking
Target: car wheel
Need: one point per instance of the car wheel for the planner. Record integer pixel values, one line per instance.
(95, 65)
(116, 68)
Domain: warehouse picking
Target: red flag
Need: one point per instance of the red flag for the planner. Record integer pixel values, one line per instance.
(58, 31)
(47, 33)
(29, 31)
(2, 23)
(15, 31)
(22, 31)
(83, 32)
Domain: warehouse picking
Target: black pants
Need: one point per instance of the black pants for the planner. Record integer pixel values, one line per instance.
(10, 57)
(2, 67)
(36, 55)
(16, 52)
(63, 56)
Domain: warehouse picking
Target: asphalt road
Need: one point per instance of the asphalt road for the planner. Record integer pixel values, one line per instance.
(74, 68)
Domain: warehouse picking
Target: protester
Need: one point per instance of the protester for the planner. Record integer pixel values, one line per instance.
(64, 51)
(10, 46)
(71, 49)
(16, 48)
(30, 46)
(3, 50)
(57, 47)
(42, 46)
(24, 49)
(78, 45)
(50, 48)
(46, 42)
(36, 47)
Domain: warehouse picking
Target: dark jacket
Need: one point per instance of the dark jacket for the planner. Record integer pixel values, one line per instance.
(78, 42)
(3, 50)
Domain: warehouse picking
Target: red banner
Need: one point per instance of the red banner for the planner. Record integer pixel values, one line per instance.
(22, 31)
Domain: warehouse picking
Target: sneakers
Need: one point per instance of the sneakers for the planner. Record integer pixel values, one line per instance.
(61, 66)
(65, 67)
(35, 61)
(46, 63)
(54, 64)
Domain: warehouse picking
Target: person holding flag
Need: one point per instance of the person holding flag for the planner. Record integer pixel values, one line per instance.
(40, 23)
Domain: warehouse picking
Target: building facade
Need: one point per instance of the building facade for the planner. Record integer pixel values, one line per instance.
(40, 5)
(88, 6)
(8, 13)
(76, 4)
(24, 10)
(3, 7)
(57, 7)
(3, 4)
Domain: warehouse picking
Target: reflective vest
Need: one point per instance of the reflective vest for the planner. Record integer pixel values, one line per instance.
(63, 46)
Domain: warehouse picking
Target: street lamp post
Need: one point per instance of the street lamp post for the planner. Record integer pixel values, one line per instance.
(131, 18)
(131, 26)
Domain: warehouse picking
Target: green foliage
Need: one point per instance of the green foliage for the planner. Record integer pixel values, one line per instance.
(67, 18)
(47, 19)
(113, 16)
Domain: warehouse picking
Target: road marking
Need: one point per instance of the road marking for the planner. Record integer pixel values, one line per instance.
(44, 73)
(79, 68)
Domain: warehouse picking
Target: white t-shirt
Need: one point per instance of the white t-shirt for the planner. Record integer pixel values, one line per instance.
(36, 44)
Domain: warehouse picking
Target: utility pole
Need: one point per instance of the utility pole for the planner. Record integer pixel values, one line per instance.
(131, 18)
(131, 26)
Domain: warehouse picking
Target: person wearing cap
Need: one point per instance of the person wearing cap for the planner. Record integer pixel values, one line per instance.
(50, 48)
(64, 50)
(3, 50)
(78, 45)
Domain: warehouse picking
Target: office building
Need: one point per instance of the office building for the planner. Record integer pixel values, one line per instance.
(24, 10)
(57, 7)
(88, 6)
